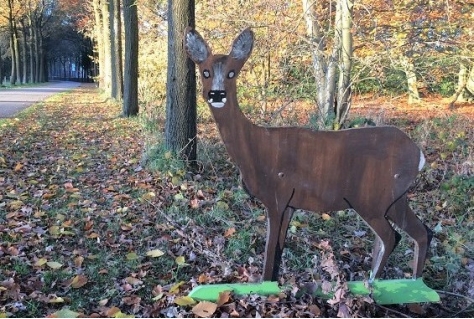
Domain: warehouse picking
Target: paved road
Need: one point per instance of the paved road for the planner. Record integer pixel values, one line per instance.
(15, 100)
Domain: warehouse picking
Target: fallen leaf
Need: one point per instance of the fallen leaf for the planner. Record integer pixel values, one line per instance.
(194, 203)
(103, 302)
(78, 261)
(18, 167)
(202, 278)
(133, 281)
(132, 256)
(204, 309)
(175, 288)
(123, 315)
(55, 299)
(314, 310)
(184, 301)
(54, 230)
(229, 232)
(68, 185)
(40, 262)
(79, 281)
(155, 253)
(65, 313)
(416, 308)
(54, 264)
(111, 312)
(326, 216)
(131, 300)
(224, 298)
(180, 260)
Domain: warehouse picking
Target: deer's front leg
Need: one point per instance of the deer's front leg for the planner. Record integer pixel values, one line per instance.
(277, 226)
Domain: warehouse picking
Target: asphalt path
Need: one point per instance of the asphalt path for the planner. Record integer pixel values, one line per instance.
(14, 100)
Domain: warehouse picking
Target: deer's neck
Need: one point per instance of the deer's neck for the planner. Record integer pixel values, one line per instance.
(236, 130)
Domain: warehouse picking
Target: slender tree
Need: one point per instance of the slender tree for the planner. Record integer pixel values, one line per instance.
(332, 62)
(107, 65)
(130, 88)
(180, 127)
(117, 63)
(24, 52)
(1, 67)
(13, 44)
(115, 49)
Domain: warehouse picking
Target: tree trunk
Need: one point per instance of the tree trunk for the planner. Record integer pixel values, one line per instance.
(180, 128)
(13, 69)
(11, 22)
(1, 67)
(343, 103)
(331, 64)
(31, 49)
(113, 49)
(107, 67)
(42, 63)
(409, 68)
(118, 65)
(99, 40)
(469, 90)
(25, 53)
(116, 50)
(130, 88)
(36, 49)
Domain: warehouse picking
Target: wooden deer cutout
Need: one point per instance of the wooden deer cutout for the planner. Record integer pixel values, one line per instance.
(288, 168)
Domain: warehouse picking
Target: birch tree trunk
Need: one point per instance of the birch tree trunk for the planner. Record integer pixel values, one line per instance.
(11, 24)
(118, 63)
(1, 67)
(469, 90)
(107, 62)
(343, 103)
(17, 53)
(24, 52)
(458, 96)
(31, 46)
(409, 69)
(99, 41)
(115, 49)
(331, 64)
(36, 49)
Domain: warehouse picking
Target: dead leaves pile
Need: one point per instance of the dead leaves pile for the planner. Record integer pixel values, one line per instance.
(84, 229)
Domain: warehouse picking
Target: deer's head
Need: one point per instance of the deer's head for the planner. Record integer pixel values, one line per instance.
(218, 72)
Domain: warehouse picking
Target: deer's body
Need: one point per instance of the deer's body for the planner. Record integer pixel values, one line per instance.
(287, 168)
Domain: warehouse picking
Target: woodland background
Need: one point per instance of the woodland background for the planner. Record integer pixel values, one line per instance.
(99, 215)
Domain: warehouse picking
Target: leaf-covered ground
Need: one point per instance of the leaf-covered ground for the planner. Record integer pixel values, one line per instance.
(88, 227)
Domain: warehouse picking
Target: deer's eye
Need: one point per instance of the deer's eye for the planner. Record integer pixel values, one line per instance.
(206, 74)
(231, 74)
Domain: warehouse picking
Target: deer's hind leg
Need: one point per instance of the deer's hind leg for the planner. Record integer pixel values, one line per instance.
(402, 216)
(386, 238)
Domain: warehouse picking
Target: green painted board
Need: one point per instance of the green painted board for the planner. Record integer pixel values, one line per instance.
(211, 292)
(395, 291)
(384, 292)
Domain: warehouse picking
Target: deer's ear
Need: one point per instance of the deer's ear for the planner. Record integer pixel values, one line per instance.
(242, 46)
(195, 46)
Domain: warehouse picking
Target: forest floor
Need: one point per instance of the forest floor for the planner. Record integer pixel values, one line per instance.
(95, 222)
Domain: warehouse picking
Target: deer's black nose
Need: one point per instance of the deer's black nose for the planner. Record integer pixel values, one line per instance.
(217, 96)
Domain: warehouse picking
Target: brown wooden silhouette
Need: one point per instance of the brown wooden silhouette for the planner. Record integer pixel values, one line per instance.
(288, 168)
